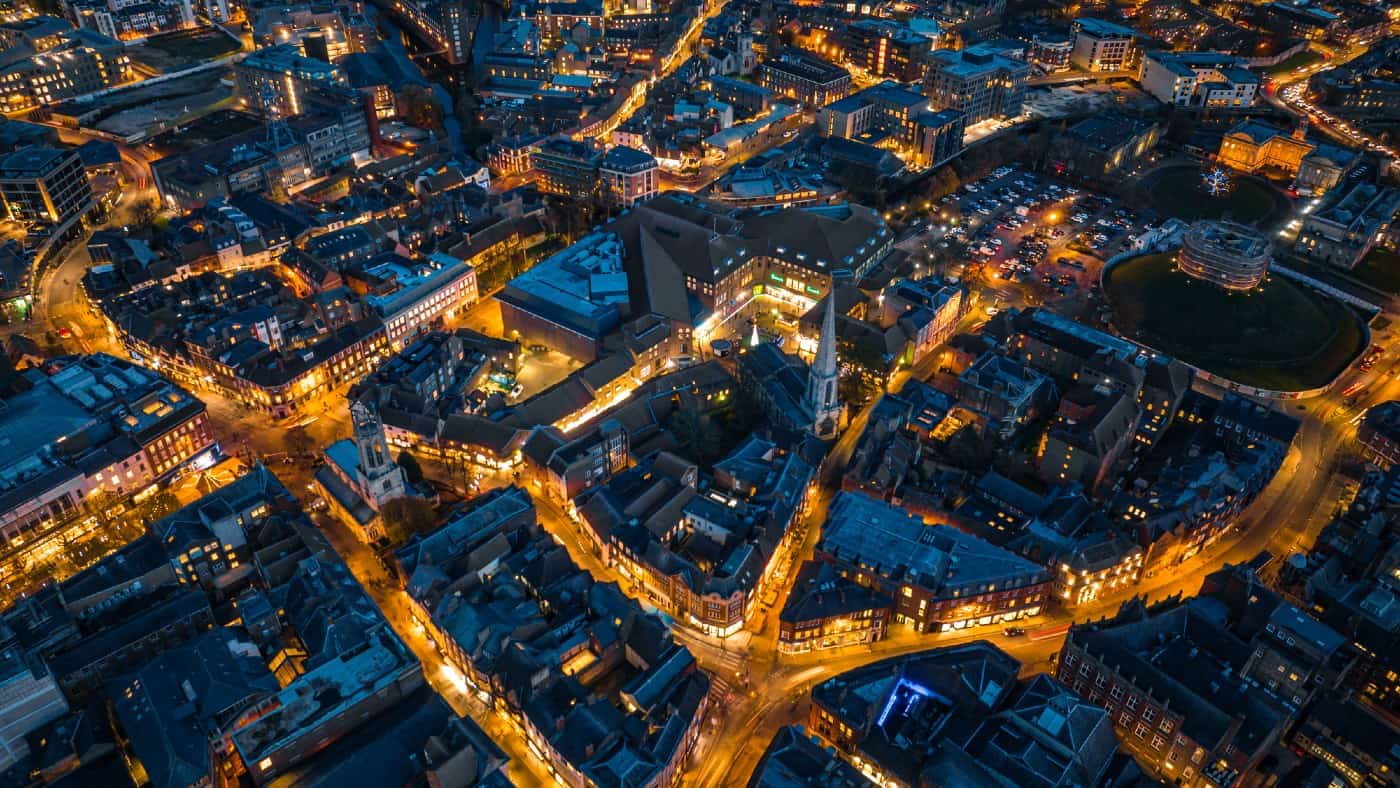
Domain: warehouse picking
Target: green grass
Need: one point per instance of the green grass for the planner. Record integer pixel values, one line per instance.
(1305, 58)
(1177, 192)
(203, 45)
(1281, 336)
(1380, 269)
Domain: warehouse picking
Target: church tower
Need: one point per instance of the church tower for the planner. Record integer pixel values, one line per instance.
(823, 376)
(380, 478)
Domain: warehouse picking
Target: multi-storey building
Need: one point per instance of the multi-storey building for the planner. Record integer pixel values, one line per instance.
(930, 309)
(1172, 682)
(693, 249)
(38, 33)
(959, 716)
(354, 667)
(92, 422)
(86, 62)
(628, 176)
(265, 159)
(1102, 144)
(445, 25)
(531, 629)
(44, 186)
(895, 117)
(513, 155)
(887, 49)
(1226, 253)
(1253, 145)
(1103, 46)
(1051, 52)
(1379, 434)
(941, 579)
(29, 698)
(414, 295)
(978, 81)
(1353, 220)
(564, 468)
(744, 97)
(1199, 79)
(277, 81)
(566, 167)
(656, 524)
(207, 542)
(805, 77)
(825, 610)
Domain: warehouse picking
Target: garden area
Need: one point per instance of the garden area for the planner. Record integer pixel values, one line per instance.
(1281, 336)
(1178, 191)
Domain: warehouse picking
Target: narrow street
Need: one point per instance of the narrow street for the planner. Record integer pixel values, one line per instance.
(525, 768)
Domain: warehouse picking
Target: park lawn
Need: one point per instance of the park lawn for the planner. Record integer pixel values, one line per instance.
(1178, 193)
(1281, 336)
(1380, 269)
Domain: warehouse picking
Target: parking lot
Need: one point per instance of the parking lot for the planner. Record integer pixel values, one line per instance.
(1029, 236)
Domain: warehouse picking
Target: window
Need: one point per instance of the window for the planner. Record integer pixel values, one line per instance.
(1158, 742)
(1149, 714)
(1116, 692)
(1166, 726)
(1140, 731)
(1132, 702)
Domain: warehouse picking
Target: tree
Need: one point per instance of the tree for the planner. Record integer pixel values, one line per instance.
(406, 516)
(145, 212)
(698, 433)
(156, 507)
(969, 448)
(298, 441)
(421, 108)
(105, 506)
(412, 471)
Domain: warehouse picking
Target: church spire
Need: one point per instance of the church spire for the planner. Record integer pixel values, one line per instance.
(822, 378)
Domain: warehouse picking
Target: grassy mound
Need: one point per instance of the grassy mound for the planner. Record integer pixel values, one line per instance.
(1280, 336)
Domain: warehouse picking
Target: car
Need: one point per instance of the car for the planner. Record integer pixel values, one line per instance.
(538, 349)
(64, 332)
(992, 311)
(1013, 632)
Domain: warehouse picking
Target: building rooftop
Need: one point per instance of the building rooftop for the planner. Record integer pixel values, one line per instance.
(804, 65)
(893, 542)
(34, 161)
(793, 760)
(1102, 29)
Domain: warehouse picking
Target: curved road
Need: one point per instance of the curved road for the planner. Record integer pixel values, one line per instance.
(1284, 518)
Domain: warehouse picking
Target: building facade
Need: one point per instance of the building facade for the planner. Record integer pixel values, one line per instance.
(1226, 253)
(1103, 46)
(978, 81)
(628, 176)
(805, 77)
(44, 186)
